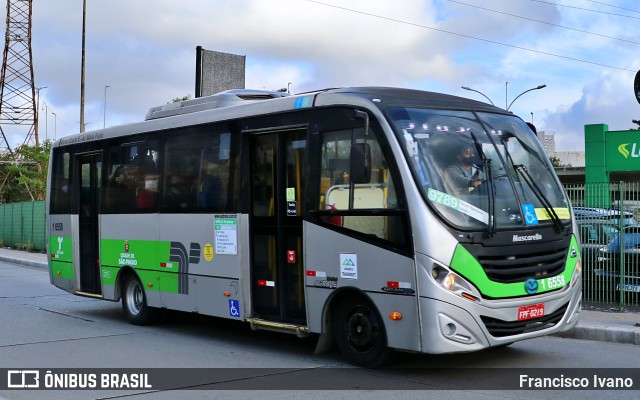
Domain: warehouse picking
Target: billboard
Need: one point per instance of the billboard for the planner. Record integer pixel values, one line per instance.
(622, 151)
(217, 72)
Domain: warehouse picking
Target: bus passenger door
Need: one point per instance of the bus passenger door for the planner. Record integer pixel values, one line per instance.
(277, 165)
(87, 189)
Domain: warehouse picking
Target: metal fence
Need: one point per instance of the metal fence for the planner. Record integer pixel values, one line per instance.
(22, 225)
(608, 216)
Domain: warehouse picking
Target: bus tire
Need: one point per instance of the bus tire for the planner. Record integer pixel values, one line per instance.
(360, 334)
(134, 303)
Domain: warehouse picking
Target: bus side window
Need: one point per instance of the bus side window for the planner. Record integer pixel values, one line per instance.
(61, 194)
(183, 162)
(337, 193)
(213, 177)
(132, 184)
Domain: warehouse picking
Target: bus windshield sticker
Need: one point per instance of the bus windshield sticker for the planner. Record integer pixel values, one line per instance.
(348, 266)
(529, 213)
(458, 204)
(562, 213)
(226, 234)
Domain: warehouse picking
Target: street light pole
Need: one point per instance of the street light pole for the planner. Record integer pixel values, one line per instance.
(55, 125)
(104, 121)
(506, 95)
(38, 107)
(46, 120)
(477, 91)
(84, 24)
(526, 91)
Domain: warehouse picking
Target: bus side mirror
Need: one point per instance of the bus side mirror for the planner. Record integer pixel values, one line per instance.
(532, 127)
(360, 163)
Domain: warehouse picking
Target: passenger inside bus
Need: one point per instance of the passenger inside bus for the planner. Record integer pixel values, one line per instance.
(178, 193)
(210, 188)
(121, 189)
(147, 196)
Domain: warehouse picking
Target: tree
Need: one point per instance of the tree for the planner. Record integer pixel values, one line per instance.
(23, 176)
(557, 163)
(637, 122)
(179, 99)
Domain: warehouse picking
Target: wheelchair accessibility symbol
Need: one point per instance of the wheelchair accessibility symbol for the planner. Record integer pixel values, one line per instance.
(234, 308)
(530, 216)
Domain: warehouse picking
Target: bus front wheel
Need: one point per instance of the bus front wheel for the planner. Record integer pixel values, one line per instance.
(134, 303)
(360, 334)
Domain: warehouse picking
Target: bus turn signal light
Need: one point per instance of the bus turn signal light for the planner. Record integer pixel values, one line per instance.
(468, 296)
(395, 316)
(227, 294)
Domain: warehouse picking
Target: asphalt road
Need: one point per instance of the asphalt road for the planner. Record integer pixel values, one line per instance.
(42, 327)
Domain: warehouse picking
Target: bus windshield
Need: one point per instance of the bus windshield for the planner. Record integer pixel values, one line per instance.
(480, 170)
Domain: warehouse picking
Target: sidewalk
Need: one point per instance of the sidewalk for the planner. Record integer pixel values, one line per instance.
(604, 326)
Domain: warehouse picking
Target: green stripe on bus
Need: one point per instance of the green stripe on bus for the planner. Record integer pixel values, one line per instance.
(62, 270)
(60, 248)
(150, 259)
(467, 266)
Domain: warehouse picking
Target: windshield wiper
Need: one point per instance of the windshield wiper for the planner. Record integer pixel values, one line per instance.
(540, 195)
(491, 193)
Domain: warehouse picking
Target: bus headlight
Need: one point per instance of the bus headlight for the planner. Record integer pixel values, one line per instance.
(454, 283)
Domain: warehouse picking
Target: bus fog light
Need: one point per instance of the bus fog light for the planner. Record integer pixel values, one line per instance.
(455, 330)
(450, 329)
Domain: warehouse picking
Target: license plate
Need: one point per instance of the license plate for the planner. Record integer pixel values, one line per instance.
(629, 287)
(530, 311)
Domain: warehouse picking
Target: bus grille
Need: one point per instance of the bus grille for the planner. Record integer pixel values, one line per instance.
(499, 328)
(525, 262)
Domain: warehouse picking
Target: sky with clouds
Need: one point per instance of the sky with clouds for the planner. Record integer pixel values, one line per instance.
(586, 52)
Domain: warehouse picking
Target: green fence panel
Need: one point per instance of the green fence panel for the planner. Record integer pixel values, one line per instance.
(27, 224)
(39, 225)
(16, 217)
(22, 225)
(4, 225)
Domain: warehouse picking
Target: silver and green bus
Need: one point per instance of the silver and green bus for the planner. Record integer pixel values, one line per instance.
(375, 219)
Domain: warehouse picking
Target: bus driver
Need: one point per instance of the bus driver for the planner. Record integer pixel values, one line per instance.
(463, 174)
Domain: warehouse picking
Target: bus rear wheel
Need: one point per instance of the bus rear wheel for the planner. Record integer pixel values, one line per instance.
(134, 303)
(360, 334)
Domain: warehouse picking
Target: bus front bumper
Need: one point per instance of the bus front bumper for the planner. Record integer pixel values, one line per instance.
(463, 326)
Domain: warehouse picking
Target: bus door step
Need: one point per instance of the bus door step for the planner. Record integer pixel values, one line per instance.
(298, 330)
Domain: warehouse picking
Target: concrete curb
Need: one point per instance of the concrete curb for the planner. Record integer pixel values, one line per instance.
(611, 334)
(25, 262)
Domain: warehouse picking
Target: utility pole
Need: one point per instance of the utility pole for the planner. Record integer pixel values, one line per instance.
(17, 92)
